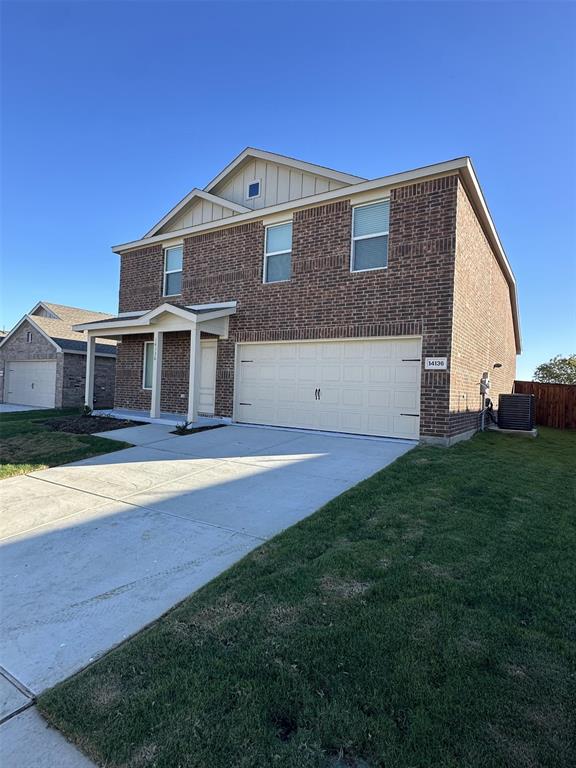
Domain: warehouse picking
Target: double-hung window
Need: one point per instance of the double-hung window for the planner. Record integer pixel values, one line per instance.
(173, 270)
(370, 236)
(148, 365)
(278, 253)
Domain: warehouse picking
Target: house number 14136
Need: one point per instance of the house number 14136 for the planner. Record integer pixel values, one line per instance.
(435, 363)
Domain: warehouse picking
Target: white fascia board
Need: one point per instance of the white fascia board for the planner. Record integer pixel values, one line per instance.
(216, 305)
(475, 191)
(93, 328)
(200, 194)
(273, 157)
(79, 352)
(306, 202)
(36, 327)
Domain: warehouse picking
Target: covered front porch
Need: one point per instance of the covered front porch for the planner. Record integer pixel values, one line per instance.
(199, 327)
(165, 417)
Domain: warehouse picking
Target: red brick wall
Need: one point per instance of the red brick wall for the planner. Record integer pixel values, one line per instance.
(483, 331)
(129, 366)
(323, 299)
(413, 296)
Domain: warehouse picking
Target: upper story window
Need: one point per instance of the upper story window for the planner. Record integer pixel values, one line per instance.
(253, 189)
(278, 253)
(370, 236)
(28, 336)
(173, 270)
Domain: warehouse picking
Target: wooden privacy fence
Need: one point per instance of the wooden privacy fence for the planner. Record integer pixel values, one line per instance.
(555, 403)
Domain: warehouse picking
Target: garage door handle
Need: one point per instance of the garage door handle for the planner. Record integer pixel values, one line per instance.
(316, 394)
(319, 393)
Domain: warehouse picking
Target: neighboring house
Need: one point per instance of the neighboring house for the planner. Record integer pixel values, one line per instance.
(289, 294)
(43, 359)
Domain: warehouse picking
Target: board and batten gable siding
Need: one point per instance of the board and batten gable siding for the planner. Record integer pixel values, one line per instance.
(279, 184)
(198, 212)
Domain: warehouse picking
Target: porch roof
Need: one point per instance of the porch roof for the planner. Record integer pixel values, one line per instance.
(155, 319)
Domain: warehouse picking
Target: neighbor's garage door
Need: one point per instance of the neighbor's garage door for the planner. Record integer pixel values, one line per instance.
(367, 387)
(31, 383)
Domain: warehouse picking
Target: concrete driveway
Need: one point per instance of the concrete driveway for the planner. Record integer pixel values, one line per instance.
(9, 408)
(93, 551)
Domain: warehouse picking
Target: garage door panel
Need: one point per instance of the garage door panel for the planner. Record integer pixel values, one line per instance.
(329, 373)
(31, 382)
(365, 386)
(307, 372)
(379, 398)
(406, 399)
(408, 348)
(380, 374)
(406, 374)
(406, 425)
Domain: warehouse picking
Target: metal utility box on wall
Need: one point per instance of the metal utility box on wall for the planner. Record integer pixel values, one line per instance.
(516, 411)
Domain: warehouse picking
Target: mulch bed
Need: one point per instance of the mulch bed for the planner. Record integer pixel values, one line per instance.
(88, 425)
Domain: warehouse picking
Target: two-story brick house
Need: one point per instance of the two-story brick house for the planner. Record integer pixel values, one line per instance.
(289, 294)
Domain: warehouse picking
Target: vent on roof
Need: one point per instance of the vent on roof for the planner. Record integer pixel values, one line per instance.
(516, 411)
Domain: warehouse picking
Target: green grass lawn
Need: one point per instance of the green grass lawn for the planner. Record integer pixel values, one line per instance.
(26, 444)
(424, 619)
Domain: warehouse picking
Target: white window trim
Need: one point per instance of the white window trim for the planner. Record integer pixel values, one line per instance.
(367, 237)
(28, 337)
(248, 185)
(148, 389)
(275, 253)
(171, 271)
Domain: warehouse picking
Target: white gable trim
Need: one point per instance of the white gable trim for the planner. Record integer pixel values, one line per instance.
(201, 195)
(36, 327)
(53, 314)
(217, 311)
(259, 154)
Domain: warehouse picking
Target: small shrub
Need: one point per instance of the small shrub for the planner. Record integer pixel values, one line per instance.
(183, 427)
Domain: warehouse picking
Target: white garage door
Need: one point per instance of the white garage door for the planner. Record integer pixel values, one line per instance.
(369, 387)
(31, 383)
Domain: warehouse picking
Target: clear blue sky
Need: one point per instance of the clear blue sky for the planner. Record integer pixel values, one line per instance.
(113, 111)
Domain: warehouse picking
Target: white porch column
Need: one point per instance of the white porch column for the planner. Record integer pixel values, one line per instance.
(194, 375)
(90, 362)
(157, 375)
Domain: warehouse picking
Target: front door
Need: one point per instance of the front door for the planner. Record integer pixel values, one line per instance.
(207, 394)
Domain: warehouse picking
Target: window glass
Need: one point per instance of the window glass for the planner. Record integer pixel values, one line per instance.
(173, 258)
(371, 219)
(173, 283)
(279, 238)
(371, 253)
(278, 267)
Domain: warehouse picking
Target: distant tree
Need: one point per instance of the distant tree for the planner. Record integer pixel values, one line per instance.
(559, 370)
